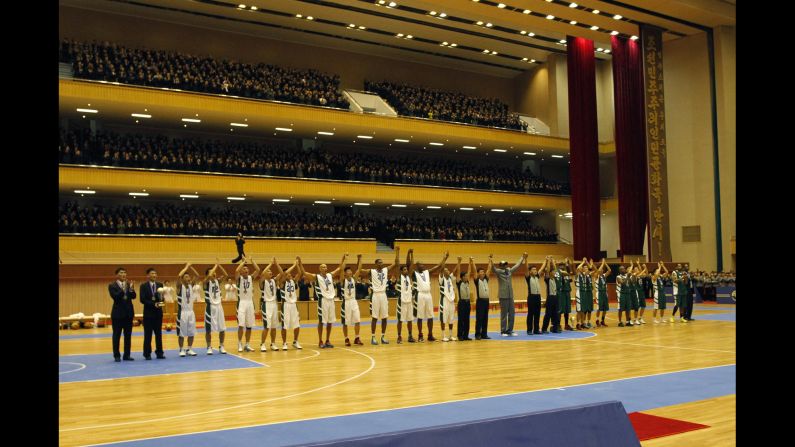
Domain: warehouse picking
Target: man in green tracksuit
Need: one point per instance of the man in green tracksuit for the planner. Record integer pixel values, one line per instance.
(623, 290)
(563, 285)
(600, 278)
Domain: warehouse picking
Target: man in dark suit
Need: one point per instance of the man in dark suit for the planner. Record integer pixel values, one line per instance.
(240, 241)
(152, 298)
(122, 292)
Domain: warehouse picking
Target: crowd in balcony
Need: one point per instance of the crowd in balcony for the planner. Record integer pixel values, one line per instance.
(111, 62)
(180, 219)
(237, 157)
(446, 106)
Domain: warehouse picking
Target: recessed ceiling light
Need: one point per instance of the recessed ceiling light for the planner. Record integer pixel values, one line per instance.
(529, 153)
(238, 124)
(399, 35)
(392, 4)
(140, 115)
(323, 202)
(573, 22)
(351, 26)
(235, 198)
(526, 11)
(557, 156)
(442, 15)
(466, 209)
(523, 32)
(572, 5)
(617, 17)
(281, 200)
(433, 13)
(479, 22)
(398, 205)
(361, 27)
(365, 137)
(298, 15)
(436, 144)
(532, 60)
(526, 211)
(434, 207)
(325, 133)
(453, 44)
(501, 5)
(531, 34)
(489, 25)
(486, 51)
(444, 43)
(470, 147)
(361, 204)
(594, 28)
(634, 37)
(607, 51)
(253, 8)
(409, 36)
(284, 129)
(599, 49)
(525, 59)
(88, 110)
(500, 150)
(85, 191)
(191, 120)
(400, 140)
(189, 196)
(493, 53)
(595, 11)
(141, 194)
(241, 6)
(497, 210)
(381, 2)
(562, 40)
(310, 18)
(550, 17)
(613, 33)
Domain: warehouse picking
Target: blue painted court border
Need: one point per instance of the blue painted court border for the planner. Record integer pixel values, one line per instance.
(636, 394)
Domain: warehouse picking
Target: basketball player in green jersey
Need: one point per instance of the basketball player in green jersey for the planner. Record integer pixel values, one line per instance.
(600, 279)
(658, 285)
(563, 286)
(641, 291)
(623, 289)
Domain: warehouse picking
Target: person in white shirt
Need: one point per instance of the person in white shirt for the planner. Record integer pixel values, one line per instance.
(423, 297)
(186, 318)
(214, 319)
(269, 303)
(447, 301)
(405, 305)
(245, 302)
(350, 307)
(290, 317)
(325, 292)
(379, 302)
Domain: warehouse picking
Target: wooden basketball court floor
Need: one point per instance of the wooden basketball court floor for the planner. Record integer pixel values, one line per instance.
(680, 370)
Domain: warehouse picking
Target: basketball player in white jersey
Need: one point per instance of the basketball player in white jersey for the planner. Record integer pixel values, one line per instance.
(325, 292)
(269, 304)
(378, 302)
(213, 310)
(447, 300)
(186, 319)
(405, 306)
(424, 300)
(350, 307)
(290, 317)
(245, 302)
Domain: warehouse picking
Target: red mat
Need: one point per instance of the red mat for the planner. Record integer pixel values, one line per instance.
(650, 427)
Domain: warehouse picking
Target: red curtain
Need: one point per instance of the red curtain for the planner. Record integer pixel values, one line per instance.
(630, 144)
(583, 137)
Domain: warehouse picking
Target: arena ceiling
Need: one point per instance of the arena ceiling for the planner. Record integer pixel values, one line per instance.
(499, 38)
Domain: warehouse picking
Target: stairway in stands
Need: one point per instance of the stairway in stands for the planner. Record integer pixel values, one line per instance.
(65, 71)
(380, 247)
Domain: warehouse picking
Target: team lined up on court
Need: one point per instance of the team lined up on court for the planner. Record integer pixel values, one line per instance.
(278, 298)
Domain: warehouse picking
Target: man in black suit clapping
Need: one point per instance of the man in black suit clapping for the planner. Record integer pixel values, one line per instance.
(152, 299)
(122, 292)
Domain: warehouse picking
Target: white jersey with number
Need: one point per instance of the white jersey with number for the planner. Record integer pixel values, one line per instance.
(405, 288)
(325, 284)
(349, 288)
(213, 292)
(269, 290)
(378, 279)
(288, 292)
(423, 280)
(446, 288)
(245, 289)
(187, 296)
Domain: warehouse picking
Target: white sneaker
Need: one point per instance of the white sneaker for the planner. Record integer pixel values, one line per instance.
(453, 339)
(285, 347)
(191, 353)
(504, 335)
(209, 351)
(181, 353)
(642, 321)
(656, 321)
(297, 345)
(221, 350)
(445, 339)
(514, 334)
(262, 347)
(274, 347)
(671, 320)
(248, 348)
(240, 347)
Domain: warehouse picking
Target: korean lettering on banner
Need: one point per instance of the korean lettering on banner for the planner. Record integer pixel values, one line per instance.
(659, 241)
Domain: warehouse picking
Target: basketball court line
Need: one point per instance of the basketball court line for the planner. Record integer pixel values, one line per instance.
(640, 404)
(250, 404)
(82, 366)
(652, 346)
